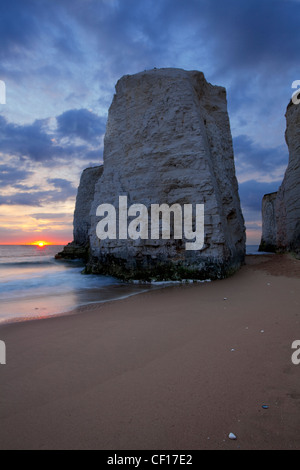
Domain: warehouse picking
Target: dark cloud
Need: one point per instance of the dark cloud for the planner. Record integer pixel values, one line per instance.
(255, 34)
(28, 26)
(24, 199)
(81, 123)
(63, 185)
(10, 175)
(19, 27)
(29, 140)
(35, 141)
(64, 190)
(252, 192)
(254, 157)
(128, 35)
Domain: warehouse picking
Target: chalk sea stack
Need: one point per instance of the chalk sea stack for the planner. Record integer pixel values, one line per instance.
(168, 141)
(79, 247)
(281, 210)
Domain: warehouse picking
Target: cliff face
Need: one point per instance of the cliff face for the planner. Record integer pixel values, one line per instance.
(286, 223)
(288, 201)
(269, 230)
(79, 248)
(85, 197)
(168, 141)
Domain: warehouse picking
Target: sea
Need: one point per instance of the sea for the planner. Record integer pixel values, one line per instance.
(34, 285)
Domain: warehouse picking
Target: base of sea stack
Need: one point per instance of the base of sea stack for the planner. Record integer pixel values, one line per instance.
(149, 270)
(293, 249)
(267, 247)
(73, 251)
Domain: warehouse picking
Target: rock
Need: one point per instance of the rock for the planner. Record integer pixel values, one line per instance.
(85, 197)
(288, 199)
(282, 233)
(73, 251)
(232, 437)
(269, 240)
(168, 141)
(79, 248)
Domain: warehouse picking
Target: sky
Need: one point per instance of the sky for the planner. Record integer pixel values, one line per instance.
(60, 61)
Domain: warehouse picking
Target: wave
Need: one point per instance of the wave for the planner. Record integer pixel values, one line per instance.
(21, 262)
(49, 282)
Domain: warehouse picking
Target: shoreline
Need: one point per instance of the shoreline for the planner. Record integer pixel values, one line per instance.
(179, 367)
(38, 313)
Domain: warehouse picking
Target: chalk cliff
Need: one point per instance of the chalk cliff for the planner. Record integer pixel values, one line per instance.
(269, 230)
(79, 248)
(168, 141)
(286, 222)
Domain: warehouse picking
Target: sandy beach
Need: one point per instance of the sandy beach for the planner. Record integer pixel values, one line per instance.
(173, 369)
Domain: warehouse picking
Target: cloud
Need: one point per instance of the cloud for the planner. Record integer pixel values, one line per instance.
(19, 27)
(252, 192)
(64, 186)
(81, 123)
(29, 140)
(63, 190)
(252, 157)
(28, 26)
(39, 143)
(51, 216)
(240, 35)
(10, 175)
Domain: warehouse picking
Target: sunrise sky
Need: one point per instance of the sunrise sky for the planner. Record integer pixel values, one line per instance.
(60, 60)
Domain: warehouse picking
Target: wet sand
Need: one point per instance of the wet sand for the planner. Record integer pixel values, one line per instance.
(173, 369)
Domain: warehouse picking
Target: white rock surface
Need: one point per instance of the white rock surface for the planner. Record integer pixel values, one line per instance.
(168, 140)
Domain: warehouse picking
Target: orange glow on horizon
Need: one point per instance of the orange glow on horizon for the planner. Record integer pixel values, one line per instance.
(40, 243)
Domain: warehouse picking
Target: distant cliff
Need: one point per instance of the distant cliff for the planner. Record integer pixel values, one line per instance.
(269, 229)
(282, 232)
(79, 248)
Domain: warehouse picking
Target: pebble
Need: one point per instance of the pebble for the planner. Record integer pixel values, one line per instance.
(232, 437)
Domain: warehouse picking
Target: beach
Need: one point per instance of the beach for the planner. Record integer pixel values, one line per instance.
(177, 368)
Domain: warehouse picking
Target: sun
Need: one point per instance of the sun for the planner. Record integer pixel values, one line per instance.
(40, 243)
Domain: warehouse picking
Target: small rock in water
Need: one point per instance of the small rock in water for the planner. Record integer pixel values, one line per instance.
(232, 437)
